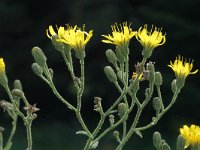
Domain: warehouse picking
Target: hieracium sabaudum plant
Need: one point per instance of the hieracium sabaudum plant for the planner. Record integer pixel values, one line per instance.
(70, 42)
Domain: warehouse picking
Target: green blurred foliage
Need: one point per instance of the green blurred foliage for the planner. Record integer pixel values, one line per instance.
(23, 25)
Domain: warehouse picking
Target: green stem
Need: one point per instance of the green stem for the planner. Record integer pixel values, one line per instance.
(162, 113)
(29, 134)
(13, 101)
(79, 97)
(52, 86)
(135, 122)
(124, 129)
(9, 141)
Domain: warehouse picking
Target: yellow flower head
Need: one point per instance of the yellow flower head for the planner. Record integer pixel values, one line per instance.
(121, 35)
(191, 135)
(2, 65)
(73, 36)
(182, 69)
(150, 39)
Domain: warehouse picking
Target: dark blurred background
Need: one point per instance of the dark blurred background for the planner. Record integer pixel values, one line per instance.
(23, 25)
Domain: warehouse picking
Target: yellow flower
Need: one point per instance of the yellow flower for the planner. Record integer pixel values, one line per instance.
(182, 69)
(191, 135)
(73, 36)
(2, 65)
(121, 35)
(150, 39)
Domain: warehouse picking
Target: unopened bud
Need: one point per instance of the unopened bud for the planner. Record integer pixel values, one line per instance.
(39, 56)
(122, 108)
(166, 147)
(180, 144)
(157, 104)
(120, 56)
(17, 84)
(17, 93)
(158, 79)
(173, 86)
(116, 134)
(111, 119)
(51, 72)
(157, 141)
(150, 66)
(110, 74)
(37, 69)
(2, 129)
(111, 56)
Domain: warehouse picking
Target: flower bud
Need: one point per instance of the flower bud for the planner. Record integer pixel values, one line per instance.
(51, 72)
(120, 56)
(17, 93)
(59, 46)
(111, 56)
(165, 146)
(173, 86)
(110, 74)
(158, 79)
(157, 104)
(111, 119)
(39, 56)
(37, 69)
(116, 134)
(180, 144)
(157, 141)
(17, 84)
(122, 108)
(150, 67)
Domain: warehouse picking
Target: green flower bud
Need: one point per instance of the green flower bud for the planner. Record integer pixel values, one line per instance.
(18, 85)
(120, 56)
(150, 67)
(51, 72)
(110, 74)
(158, 79)
(166, 147)
(173, 86)
(37, 69)
(39, 56)
(180, 144)
(111, 56)
(111, 119)
(59, 46)
(157, 141)
(116, 134)
(157, 104)
(122, 108)
(17, 93)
